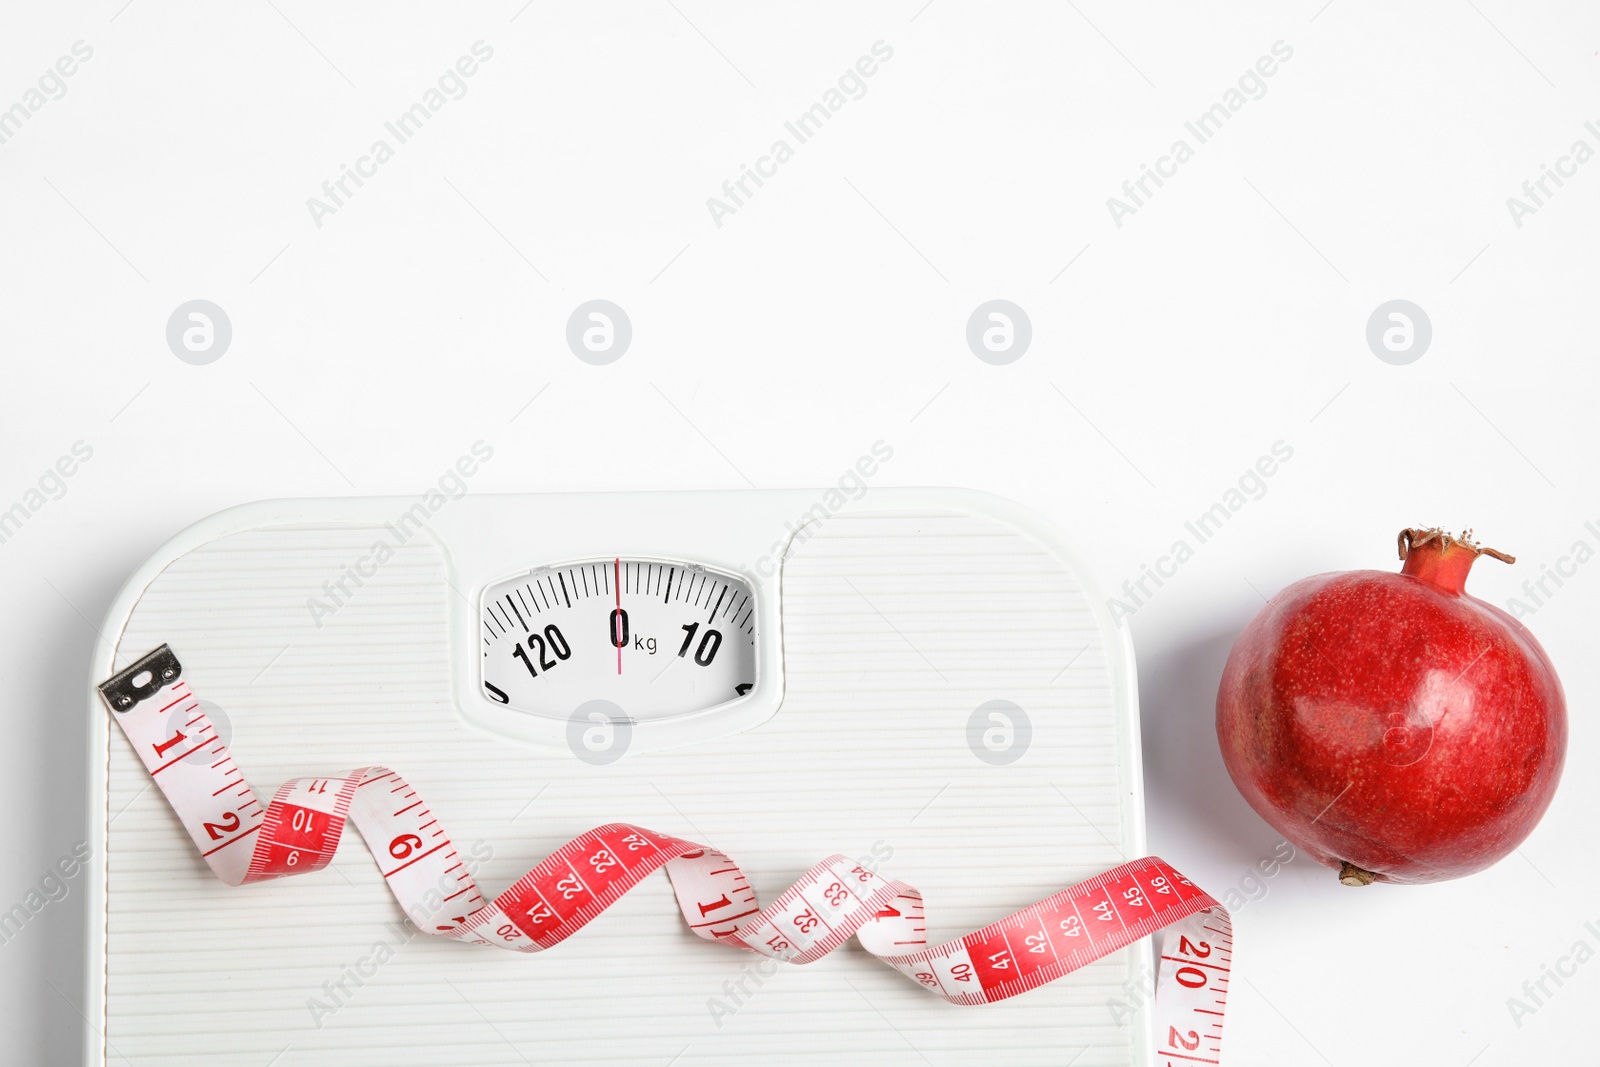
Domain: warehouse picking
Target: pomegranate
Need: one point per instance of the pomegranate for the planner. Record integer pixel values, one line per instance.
(1390, 725)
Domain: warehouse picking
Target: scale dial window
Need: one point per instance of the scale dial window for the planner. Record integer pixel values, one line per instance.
(657, 638)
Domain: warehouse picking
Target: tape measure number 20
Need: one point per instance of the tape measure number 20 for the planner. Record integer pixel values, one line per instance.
(299, 831)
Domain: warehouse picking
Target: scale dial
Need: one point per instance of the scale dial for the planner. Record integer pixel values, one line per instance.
(657, 638)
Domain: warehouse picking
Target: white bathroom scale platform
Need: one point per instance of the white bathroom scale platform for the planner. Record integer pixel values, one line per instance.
(920, 679)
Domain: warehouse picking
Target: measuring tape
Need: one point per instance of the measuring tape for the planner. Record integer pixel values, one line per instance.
(299, 831)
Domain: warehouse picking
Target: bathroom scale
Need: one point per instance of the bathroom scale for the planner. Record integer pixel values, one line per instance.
(883, 744)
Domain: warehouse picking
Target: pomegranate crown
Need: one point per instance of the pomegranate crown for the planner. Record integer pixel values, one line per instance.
(1413, 538)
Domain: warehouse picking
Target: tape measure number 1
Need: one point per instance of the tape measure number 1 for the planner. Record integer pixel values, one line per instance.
(299, 831)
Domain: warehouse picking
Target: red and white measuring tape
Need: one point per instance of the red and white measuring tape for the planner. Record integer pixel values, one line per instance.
(299, 832)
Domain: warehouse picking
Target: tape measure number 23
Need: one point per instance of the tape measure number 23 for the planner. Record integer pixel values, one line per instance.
(299, 831)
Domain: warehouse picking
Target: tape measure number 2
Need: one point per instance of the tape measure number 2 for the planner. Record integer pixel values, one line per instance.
(299, 831)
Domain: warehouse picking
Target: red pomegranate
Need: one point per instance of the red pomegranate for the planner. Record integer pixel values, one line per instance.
(1390, 725)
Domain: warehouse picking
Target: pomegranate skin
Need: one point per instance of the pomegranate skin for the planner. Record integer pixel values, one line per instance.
(1393, 723)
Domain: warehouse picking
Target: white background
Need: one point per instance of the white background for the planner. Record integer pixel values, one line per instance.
(829, 312)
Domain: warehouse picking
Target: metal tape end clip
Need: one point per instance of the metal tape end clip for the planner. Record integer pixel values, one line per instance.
(141, 679)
